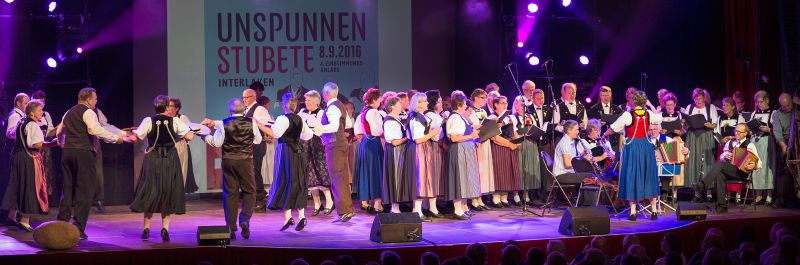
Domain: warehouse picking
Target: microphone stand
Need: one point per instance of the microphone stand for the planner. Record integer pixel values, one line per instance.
(548, 69)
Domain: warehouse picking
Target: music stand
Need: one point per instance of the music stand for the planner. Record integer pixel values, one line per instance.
(582, 166)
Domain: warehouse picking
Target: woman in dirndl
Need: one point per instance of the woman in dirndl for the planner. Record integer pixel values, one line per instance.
(700, 141)
(485, 160)
(369, 163)
(504, 153)
(317, 169)
(26, 192)
(184, 152)
(463, 182)
(160, 188)
(638, 177)
(528, 152)
(763, 179)
(289, 189)
(420, 153)
(398, 185)
(437, 159)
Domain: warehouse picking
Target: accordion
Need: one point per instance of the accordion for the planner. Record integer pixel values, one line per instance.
(742, 157)
(672, 153)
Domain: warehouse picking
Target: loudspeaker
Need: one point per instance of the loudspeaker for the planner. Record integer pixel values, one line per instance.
(688, 211)
(219, 235)
(584, 221)
(396, 228)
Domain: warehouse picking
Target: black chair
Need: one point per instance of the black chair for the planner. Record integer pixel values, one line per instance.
(748, 185)
(568, 180)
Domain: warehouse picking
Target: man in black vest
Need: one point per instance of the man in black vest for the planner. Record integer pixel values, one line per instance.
(542, 118)
(261, 116)
(236, 135)
(605, 107)
(335, 142)
(723, 170)
(79, 126)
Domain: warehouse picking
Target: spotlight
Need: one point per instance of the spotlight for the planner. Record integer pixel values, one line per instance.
(584, 60)
(51, 7)
(520, 44)
(566, 3)
(9, 1)
(588, 100)
(533, 60)
(533, 8)
(79, 50)
(52, 62)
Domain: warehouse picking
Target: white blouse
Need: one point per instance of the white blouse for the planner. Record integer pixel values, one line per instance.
(358, 128)
(456, 125)
(375, 120)
(180, 128)
(627, 119)
(417, 129)
(392, 130)
(436, 122)
(33, 134)
(695, 110)
(282, 124)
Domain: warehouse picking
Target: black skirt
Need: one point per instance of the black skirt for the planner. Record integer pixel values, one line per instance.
(160, 188)
(21, 190)
(289, 186)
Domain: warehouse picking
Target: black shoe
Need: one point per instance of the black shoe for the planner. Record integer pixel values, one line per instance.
(25, 227)
(460, 217)
(316, 211)
(653, 216)
(346, 217)
(499, 205)
(84, 236)
(437, 215)
(426, 219)
(475, 208)
(302, 224)
(245, 230)
(632, 217)
(505, 204)
(146, 234)
(164, 235)
(100, 207)
(485, 207)
(328, 211)
(288, 224)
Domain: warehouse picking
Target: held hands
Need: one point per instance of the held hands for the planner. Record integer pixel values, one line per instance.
(710, 125)
(765, 129)
(726, 139)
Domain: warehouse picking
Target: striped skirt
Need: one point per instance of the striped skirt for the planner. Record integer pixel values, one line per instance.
(506, 168)
(424, 164)
(463, 181)
(486, 167)
(397, 185)
(530, 177)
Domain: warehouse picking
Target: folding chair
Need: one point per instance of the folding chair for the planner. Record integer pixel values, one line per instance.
(569, 180)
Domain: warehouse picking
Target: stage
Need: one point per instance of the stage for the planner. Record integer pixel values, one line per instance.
(114, 236)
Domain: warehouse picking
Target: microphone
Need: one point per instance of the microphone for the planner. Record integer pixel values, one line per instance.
(549, 61)
(508, 65)
(644, 75)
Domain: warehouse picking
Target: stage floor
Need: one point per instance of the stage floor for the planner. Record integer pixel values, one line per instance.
(119, 229)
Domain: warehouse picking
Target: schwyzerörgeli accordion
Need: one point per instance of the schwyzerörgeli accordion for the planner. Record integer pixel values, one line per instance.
(741, 157)
(672, 153)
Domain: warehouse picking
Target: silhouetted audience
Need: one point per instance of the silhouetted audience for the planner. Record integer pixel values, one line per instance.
(429, 258)
(536, 256)
(389, 257)
(477, 253)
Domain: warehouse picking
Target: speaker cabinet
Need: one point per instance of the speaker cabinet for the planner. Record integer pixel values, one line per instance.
(218, 235)
(688, 211)
(396, 228)
(584, 221)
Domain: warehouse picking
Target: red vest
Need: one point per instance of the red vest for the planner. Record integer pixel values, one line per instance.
(639, 126)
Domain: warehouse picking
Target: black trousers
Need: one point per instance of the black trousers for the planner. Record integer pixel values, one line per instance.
(784, 183)
(718, 174)
(238, 175)
(99, 190)
(78, 168)
(259, 151)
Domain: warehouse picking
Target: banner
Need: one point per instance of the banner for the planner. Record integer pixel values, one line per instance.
(289, 46)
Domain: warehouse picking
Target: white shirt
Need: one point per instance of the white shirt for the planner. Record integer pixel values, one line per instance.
(734, 143)
(727, 123)
(33, 134)
(260, 115)
(566, 146)
(218, 138)
(392, 130)
(606, 145)
(417, 129)
(180, 128)
(572, 107)
(606, 108)
(456, 124)
(282, 124)
(626, 119)
(104, 123)
(333, 113)
(358, 127)
(714, 117)
(11, 125)
(89, 117)
(539, 116)
(48, 120)
(375, 121)
(478, 116)
(348, 121)
(436, 122)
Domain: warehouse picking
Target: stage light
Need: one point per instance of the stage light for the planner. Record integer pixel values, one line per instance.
(566, 3)
(520, 44)
(9, 1)
(584, 60)
(79, 50)
(533, 60)
(52, 62)
(51, 7)
(588, 100)
(533, 8)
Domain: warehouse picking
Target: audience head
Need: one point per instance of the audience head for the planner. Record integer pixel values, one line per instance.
(673, 258)
(600, 243)
(629, 240)
(299, 261)
(477, 253)
(746, 234)
(748, 256)
(639, 251)
(512, 255)
(345, 260)
(670, 242)
(595, 256)
(788, 249)
(429, 258)
(630, 259)
(556, 258)
(453, 261)
(536, 256)
(714, 256)
(773, 232)
(327, 262)
(712, 240)
(389, 257)
(464, 260)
